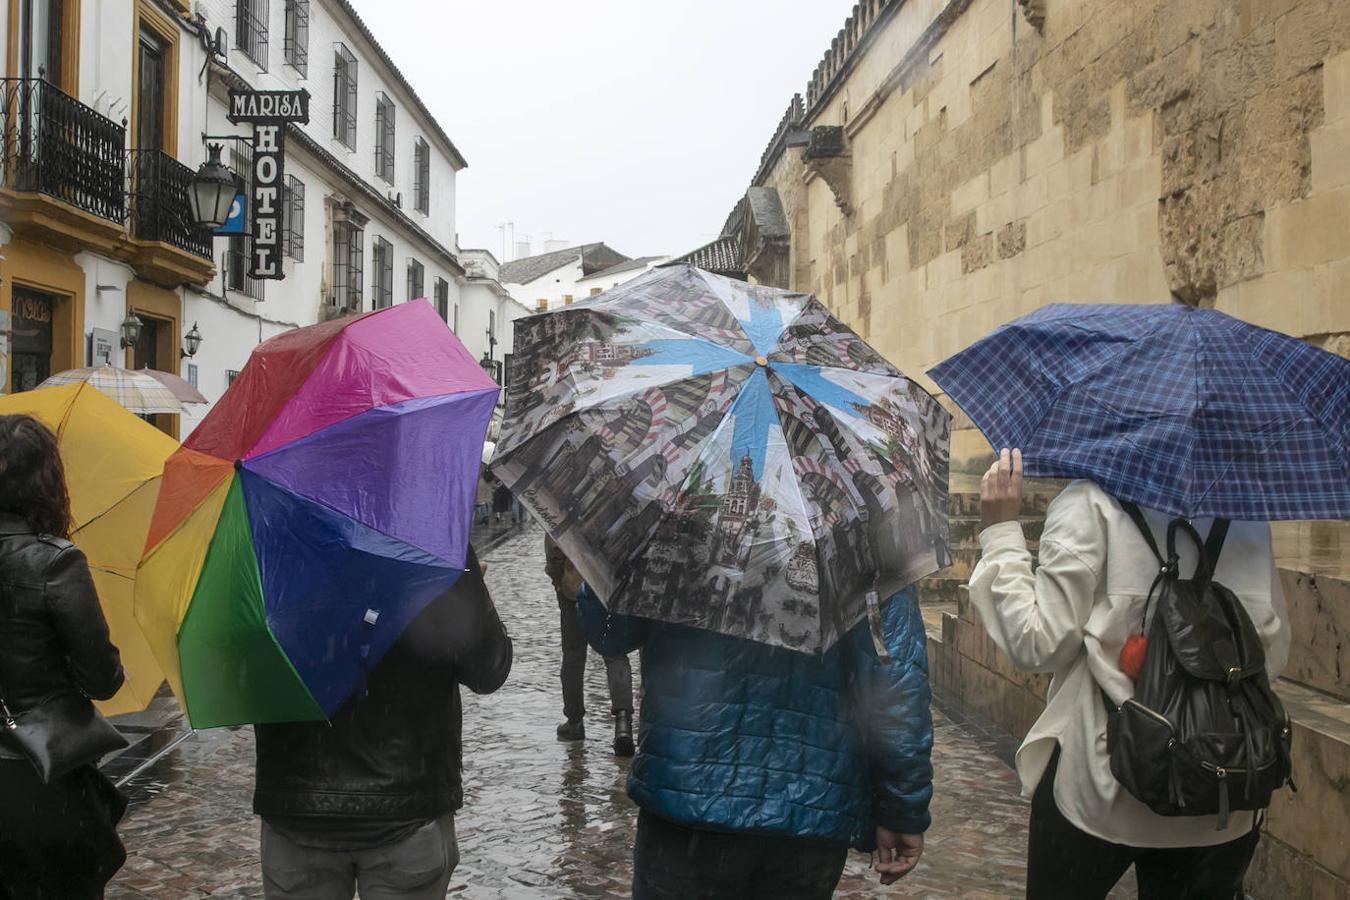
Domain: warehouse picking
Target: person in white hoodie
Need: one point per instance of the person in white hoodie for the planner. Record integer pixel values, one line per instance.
(1070, 616)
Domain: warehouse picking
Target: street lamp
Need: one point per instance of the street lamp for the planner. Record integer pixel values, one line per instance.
(131, 329)
(192, 342)
(488, 366)
(213, 190)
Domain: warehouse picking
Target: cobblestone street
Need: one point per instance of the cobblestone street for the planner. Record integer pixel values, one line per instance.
(542, 819)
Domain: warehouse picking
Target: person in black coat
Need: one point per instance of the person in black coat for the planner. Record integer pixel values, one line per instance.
(369, 798)
(58, 839)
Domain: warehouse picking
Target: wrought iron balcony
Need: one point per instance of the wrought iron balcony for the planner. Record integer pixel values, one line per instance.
(160, 209)
(55, 145)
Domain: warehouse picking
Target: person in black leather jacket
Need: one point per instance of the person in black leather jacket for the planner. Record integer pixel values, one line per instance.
(58, 839)
(369, 798)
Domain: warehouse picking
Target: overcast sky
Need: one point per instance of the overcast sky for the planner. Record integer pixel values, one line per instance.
(636, 123)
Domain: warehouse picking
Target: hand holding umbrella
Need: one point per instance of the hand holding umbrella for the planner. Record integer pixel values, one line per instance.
(1001, 489)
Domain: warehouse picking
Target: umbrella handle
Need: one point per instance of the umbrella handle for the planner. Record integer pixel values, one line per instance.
(874, 623)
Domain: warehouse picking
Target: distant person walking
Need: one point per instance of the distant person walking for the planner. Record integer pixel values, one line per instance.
(482, 510)
(59, 839)
(619, 673)
(501, 501)
(368, 799)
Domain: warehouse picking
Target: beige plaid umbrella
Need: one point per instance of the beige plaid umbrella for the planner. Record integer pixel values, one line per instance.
(134, 391)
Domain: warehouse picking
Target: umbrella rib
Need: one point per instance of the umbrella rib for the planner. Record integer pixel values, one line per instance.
(110, 507)
(1249, 337)
(1061, 388)
(629, 391)
(1246, 335)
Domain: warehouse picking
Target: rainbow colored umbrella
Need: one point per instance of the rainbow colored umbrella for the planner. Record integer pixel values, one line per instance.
(320, 505)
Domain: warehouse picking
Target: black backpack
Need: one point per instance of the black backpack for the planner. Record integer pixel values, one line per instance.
(1204, 734)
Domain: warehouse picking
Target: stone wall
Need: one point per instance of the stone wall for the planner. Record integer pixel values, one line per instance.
(1124, 151)
(971, 160)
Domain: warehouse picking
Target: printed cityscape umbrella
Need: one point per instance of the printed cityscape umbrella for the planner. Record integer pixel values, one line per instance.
(1188, 411)
(725, 455)
(319, 506)
(113, 463)
(134, 391)
(178, 386)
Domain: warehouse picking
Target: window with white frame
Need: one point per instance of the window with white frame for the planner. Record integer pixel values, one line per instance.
(443, 299)
(250, 30)
(293, 218)
(344, 96)
(348, 265)
(384, 137)
(422, 176)
(416, 280)
(240, 249)
(382, 262)
(295, 44)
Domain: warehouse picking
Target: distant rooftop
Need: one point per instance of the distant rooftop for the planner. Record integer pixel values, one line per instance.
(722, 256)
(639, 263)
(594, 258)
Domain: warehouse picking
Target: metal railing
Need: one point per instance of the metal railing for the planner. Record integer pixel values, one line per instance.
(158, 187)
(55, 145)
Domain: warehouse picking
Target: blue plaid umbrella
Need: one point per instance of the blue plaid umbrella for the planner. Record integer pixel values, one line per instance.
(1183, 410)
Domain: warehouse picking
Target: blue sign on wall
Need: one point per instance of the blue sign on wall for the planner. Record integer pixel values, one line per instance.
(235, 223)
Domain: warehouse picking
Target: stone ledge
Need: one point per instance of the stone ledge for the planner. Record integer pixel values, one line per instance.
(1315, 821)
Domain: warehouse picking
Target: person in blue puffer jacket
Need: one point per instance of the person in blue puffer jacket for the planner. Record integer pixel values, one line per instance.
(758, 767)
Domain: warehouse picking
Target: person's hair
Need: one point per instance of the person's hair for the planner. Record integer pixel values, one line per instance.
(32, 478)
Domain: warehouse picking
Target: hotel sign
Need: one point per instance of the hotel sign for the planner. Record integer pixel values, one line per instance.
(269, 112)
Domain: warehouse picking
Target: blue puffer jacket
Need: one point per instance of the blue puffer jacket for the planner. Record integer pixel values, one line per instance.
(739, 736)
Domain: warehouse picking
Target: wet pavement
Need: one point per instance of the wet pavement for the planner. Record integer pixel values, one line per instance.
(542, 819)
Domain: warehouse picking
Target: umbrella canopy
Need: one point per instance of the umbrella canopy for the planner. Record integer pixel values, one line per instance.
(319, 506)
(113, 463)
(1188, 411)
(135, 391)
(179, 387)
(725, 455)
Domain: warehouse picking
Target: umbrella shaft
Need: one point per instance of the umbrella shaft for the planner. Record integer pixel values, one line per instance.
(163, 752)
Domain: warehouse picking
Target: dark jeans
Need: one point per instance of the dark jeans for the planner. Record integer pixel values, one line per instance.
(1065, 862)
(671, 862)
(58, 839)
(617, 669)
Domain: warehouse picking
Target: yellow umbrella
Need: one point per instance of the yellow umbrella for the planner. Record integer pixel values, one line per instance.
(114, 462)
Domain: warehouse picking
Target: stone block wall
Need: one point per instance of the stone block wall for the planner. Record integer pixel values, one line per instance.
(999, 155)
(1122, 151)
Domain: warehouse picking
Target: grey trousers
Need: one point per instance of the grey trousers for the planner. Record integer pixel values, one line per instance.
(416, 868)
(617, 669)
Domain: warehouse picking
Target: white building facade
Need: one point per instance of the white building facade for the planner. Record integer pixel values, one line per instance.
(369, 188)
(552, 279)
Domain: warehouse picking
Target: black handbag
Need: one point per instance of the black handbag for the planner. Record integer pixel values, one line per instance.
(60, 734)
(1204, 734)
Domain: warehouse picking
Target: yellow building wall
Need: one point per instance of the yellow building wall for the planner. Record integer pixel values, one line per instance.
(47, 269)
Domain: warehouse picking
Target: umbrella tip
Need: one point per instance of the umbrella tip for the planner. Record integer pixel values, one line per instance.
(761, 360)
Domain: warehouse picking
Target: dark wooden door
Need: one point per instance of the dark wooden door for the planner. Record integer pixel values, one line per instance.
(150, 102)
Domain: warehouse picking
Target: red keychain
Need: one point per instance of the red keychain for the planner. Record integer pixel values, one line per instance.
(1132, 655)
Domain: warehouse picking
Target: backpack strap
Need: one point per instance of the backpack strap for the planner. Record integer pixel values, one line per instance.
(1167, 568)
(1137, 516)
(1218, 531)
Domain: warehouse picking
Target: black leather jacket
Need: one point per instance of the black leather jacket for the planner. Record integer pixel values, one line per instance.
(53, 637)
(393, 753)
